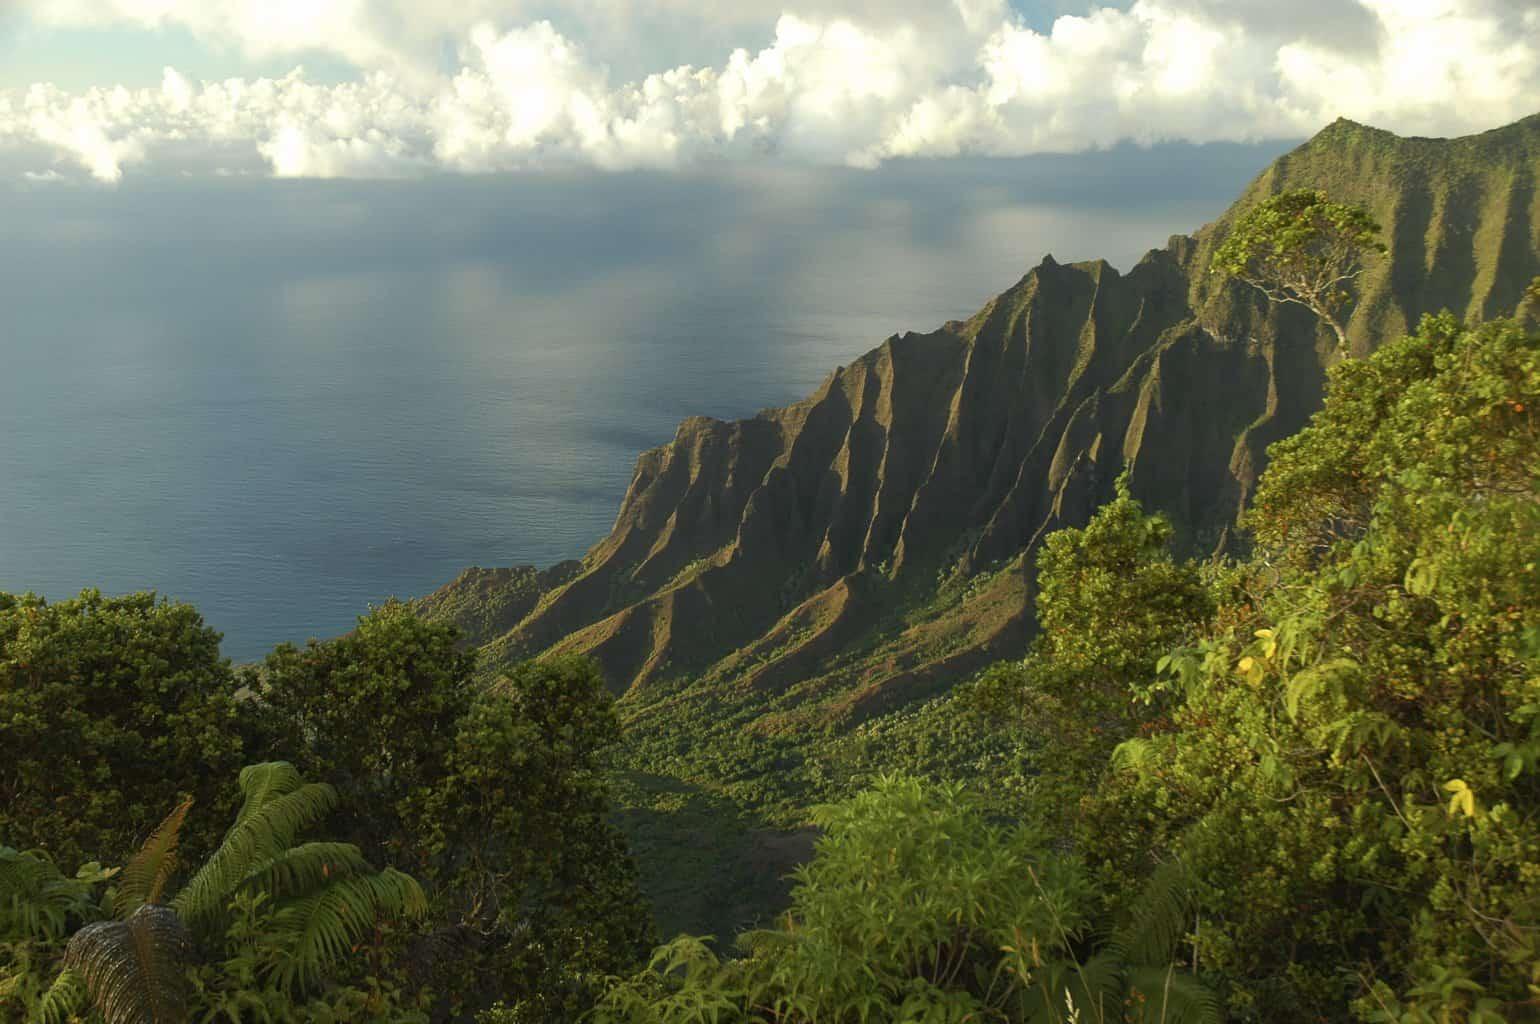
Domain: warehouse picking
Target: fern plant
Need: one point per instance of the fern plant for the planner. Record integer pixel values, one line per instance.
(135, 970)
(39, 907)
(37, 901)
(1134, 977)
(321, 901)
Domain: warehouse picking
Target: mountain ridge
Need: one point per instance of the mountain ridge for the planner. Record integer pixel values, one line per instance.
(872, 544)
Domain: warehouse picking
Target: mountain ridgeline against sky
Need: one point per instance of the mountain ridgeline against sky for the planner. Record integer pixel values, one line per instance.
(873, 544)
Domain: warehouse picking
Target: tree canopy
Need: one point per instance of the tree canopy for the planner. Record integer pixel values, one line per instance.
(1301, 247)
(492, 796)
(113, 709)
(1111, 600)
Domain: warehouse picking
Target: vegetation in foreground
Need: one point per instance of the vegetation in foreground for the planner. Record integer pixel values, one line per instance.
(451, 848)
(1299, 786)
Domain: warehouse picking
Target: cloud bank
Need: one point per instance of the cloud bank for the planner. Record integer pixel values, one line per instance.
(848, 83)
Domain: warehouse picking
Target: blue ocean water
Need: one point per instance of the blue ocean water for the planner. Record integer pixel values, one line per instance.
(285, 401)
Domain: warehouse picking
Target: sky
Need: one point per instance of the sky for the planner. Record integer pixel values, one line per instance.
(101, 90)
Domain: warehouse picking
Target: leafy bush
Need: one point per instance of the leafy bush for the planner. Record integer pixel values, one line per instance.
(1111, 600)
(1353, 773)
(111, 710)
(917, 908)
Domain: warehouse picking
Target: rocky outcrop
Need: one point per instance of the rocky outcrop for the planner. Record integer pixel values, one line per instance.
(873, 543)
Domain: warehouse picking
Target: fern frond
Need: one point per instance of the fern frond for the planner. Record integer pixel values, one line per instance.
(262, 783)
(135, 971)
(1156, 920)
(65, 998)
(1098, 986)
(1325, 681)
(305, 868)
(36, 899)
(1132, 755)
(146, 874)
(321, 929)
(274, 813)
(1173, 997)
(1361, 730)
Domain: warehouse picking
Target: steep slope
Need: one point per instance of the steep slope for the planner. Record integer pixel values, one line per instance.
(872, 544)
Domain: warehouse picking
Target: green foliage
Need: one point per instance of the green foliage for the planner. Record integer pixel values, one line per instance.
(275, 919)
(111, 710)
(278, 805)
(1111, 601)
(492, 796)
(40, 907)
(914, 888)
(916, 908)
(519, 832)
(38, 902)
(63, 1000)
(1321, 484)
(521, 769)
(373, 713)
(322, 898)
(1350, 775)
(147, 872)
(1300, 247)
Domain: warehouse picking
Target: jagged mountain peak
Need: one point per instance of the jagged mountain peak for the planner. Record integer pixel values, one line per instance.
(873, 543)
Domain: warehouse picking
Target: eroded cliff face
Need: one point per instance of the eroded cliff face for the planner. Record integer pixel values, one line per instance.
(872, 544)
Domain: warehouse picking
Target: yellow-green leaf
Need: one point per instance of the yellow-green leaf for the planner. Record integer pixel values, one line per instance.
(1461, 799)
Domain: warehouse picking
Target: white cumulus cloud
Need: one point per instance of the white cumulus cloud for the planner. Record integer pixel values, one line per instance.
(850, 82)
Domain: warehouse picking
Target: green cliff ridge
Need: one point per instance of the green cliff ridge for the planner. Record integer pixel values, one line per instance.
(854, 554)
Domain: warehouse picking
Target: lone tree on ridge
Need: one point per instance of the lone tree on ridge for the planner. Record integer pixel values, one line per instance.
(1298, 246)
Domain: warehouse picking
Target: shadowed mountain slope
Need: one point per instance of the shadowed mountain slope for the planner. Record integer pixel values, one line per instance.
(835, 559)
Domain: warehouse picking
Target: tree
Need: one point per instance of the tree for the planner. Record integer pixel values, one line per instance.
(521, 844)
(374, 713)
(1300, 247)
(493, 797)
(1111, 600)
(111, 709)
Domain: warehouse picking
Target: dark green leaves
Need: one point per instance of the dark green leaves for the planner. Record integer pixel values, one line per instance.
(279, 804)
(112, 710)
(37, 901)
